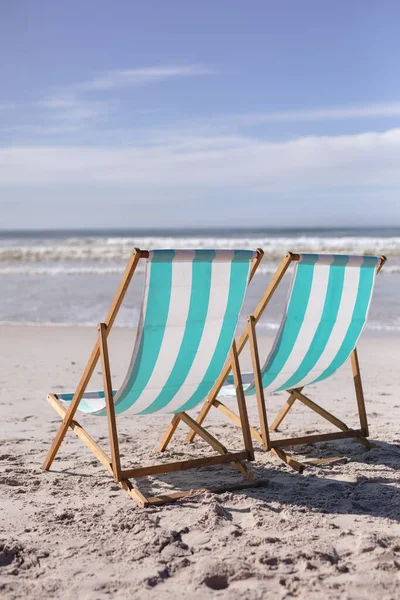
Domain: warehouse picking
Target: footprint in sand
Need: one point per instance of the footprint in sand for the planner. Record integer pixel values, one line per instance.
(216, 582)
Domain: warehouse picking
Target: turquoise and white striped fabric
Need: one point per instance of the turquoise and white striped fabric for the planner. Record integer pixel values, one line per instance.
(325, 314)
(190, 310)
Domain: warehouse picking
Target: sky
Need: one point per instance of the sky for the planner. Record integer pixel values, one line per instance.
(196, 114)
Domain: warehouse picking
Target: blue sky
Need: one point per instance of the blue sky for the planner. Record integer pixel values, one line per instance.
(198, 113)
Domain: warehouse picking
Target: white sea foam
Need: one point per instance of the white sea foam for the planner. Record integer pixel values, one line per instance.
(31, 269)
(59, 324)
(379, 326)
(27, 270)
(118, 249)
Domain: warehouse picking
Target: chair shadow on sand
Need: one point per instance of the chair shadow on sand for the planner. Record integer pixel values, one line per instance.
(334, 491)
(327, 489)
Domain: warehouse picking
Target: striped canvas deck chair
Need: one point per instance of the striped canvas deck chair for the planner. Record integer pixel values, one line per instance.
(324, 317)
(189, 314)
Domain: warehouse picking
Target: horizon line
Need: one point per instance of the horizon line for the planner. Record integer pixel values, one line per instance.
(205, 228)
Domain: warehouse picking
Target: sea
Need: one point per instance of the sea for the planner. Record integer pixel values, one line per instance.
(69, 277)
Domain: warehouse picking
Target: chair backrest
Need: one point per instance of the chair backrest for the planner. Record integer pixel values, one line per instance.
(190, 310)
(325, 314)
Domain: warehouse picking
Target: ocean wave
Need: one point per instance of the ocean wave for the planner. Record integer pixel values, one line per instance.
(91, 324)
(118, 249)
(63, 269)
(383, 327)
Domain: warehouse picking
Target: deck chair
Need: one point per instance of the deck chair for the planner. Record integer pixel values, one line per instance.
(189, 314)
(325, 314)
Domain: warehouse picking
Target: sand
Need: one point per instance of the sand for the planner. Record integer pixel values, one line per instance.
(332, 532)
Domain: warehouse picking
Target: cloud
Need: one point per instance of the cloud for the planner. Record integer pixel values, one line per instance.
(133, 77)
(319, 114)
(71, 108)
(220, 163)
(76, 103)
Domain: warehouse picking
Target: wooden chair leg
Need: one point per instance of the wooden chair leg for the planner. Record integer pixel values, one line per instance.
(288, 460)
(205, 409)
(255, 358)
(169, 433)
(244, 419)
(359, 391)
(284, 411)
(110, 408)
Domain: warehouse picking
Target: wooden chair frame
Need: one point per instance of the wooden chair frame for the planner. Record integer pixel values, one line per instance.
(113, 463)
(263, 435)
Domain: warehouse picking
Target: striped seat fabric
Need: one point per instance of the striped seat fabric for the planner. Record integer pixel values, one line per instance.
(190, 310)
(325, 314)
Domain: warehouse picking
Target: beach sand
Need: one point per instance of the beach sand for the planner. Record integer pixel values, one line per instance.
(332, 532)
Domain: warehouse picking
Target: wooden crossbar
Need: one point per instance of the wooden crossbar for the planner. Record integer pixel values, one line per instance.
(311, 439)
(183, 465)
